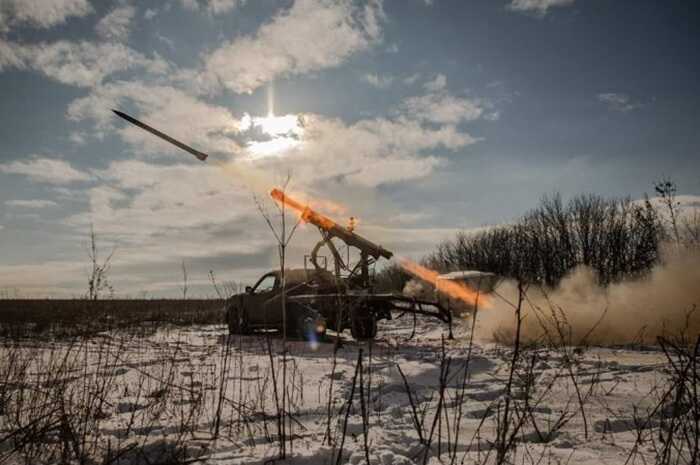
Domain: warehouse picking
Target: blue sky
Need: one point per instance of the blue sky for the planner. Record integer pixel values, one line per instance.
(422, 118)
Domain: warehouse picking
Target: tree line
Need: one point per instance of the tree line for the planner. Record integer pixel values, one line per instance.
(617, 238)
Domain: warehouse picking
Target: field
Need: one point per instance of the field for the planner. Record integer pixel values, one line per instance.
(57, 318)
(193, 394)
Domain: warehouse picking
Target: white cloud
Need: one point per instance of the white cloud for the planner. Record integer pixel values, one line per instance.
(310, 36)
(115, 25)
(203, 191)
(213, 7)
(410, 80)
(409, 218)
(47, 170)
(207, 127)
(443, 108)
(82, 64)
(166, 40)
(191, 5)
(436, 84)
(11, 55)
(437, 105)
(41, 13)
(539, 7)
(46, 279)
(150, 13)
(162, 213)
(78, 138)
(370, 152)
(377, 80)
(619, 102)
(34, 203)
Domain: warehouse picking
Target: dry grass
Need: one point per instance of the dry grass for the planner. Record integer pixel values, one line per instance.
(169, 397)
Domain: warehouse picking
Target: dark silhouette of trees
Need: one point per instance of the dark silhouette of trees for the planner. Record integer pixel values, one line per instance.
(615, 237)
(391, 278)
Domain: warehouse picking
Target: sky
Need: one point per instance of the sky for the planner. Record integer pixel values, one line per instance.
(421, 118)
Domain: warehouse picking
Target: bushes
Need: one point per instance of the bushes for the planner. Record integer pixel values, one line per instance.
(615, 237)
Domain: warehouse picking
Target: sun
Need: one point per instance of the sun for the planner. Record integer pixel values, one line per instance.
(281, 134)
(279, 125)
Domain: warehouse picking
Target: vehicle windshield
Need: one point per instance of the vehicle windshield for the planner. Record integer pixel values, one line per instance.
(266, 284)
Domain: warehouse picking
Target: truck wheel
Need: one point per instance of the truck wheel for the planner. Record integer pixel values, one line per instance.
(237, 320)
(363, 328)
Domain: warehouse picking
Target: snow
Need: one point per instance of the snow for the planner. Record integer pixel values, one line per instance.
(164, 390)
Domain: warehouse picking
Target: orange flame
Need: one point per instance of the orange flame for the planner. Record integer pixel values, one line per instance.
(322, 205)
(308, 209)
(304, 212)
(327, 206)
(452, 288)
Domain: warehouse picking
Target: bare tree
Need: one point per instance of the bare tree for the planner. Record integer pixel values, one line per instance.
(283, 235)
(616, 237)
(691, 228)
(98, 278)
(666, 189)
(283, 238)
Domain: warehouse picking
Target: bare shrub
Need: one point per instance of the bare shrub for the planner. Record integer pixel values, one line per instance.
(616, 238)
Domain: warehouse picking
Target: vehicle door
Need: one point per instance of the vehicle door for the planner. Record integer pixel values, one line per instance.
(257, 299)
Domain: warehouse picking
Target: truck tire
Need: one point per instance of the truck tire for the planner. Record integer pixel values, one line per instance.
(363, 327)
(237, 320)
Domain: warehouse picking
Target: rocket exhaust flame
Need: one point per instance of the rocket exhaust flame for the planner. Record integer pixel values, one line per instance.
(451, 288)
(305, 213)
(331, 227)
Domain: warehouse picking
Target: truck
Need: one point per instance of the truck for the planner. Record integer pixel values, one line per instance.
(314, 302)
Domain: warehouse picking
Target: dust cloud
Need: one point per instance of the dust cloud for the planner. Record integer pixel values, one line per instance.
(664, 303)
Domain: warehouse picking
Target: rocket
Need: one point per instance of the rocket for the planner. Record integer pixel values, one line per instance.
(200, 155)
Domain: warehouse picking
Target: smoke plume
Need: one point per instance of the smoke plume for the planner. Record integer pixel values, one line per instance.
(662, 303)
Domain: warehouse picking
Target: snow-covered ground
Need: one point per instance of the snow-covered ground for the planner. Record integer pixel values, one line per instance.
(179, 394)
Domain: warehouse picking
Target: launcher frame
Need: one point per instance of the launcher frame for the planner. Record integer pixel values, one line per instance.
(329, 230)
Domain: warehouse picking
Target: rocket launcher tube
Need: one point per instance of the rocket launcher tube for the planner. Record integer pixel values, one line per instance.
(331, 227)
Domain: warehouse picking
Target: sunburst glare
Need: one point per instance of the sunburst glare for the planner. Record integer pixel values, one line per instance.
(279, 134)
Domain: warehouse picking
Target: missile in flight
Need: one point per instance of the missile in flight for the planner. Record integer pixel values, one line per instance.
(200, 155)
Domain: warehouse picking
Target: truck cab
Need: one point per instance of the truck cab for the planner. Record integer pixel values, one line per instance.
(261, 305)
